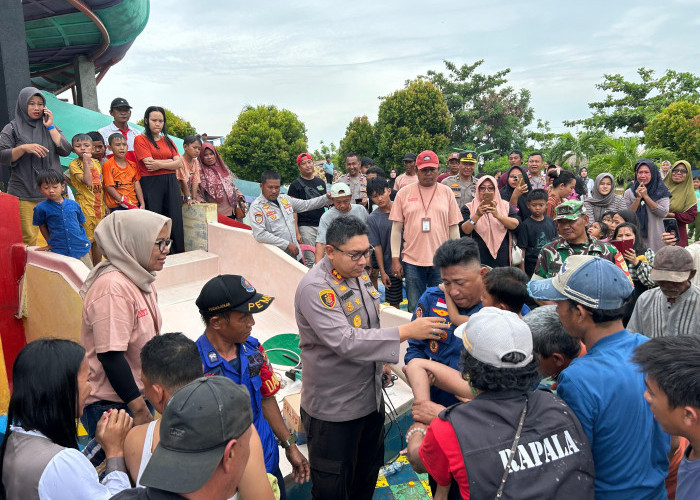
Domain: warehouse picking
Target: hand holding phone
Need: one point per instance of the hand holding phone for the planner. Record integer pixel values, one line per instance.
(671, 226)
(47, 118)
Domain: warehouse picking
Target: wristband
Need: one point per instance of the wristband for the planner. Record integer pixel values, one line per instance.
(471, 221)
(410, 433)
(51, 127)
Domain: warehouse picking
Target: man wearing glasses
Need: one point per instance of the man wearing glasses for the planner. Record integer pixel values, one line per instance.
(344, 353)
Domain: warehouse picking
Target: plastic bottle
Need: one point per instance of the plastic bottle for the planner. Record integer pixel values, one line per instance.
(414, 492)
(391, 469)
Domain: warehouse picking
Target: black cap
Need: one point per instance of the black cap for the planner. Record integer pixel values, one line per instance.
(119, 102)
(409, 157)
(231, 292)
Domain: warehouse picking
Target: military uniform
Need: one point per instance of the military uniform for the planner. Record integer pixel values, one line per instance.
(342, 408)
(273, 223)
(463, 190)
(358, 187)
(555, 253)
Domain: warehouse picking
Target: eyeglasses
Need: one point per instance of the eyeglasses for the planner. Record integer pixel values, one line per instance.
(164, 244)
(487, 189)
(679, 171)
(357, 255)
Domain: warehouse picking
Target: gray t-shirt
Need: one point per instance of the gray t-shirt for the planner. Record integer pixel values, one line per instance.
(380, 234)
(356, 210)
(688, 477)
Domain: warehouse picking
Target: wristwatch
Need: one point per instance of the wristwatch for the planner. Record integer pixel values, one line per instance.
(188, 198)
(289, 442)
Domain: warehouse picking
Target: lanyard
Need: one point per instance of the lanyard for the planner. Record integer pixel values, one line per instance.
(420, 193)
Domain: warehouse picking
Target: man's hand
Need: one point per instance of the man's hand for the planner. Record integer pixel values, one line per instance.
(293, 249)
(396, 268)
(300, 240)
(425, 411)
(47, 248)
(301, 471)
(426, 328)
(386, 370)
(386, 279)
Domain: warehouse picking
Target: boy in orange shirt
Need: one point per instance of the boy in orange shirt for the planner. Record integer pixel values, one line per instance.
(121, 177)
(88, 185)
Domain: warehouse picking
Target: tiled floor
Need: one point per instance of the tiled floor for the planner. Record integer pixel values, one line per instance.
(395, 486)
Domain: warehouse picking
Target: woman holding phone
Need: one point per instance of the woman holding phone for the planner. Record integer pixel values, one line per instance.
(649, 198)
(489, 220)
(515, 191)
(683, 206)
(639, 259)
(29, 144)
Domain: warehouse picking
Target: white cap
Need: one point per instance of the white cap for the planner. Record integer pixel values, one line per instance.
(340, 189)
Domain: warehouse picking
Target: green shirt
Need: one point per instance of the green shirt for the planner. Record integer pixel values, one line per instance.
(553, 255)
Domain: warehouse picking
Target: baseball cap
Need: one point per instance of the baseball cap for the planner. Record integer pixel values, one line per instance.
(453, 156)
(492, 333)
(427, 159)
(587, 280)
(231, 292)
(304, 156)
(569, 210)
(197, 424)
(119, 102)
(468, 157)
(409, 157)
(340, 189)
(672, 264)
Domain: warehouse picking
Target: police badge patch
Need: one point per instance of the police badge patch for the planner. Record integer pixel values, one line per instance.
(327, 297)
(246, 284)
(433, 346)
(258, 217)
(357, 321)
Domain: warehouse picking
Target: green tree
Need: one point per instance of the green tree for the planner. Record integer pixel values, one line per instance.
(630, 106)
(543, 136)
(326, 150)
(484, 111)
(264, 138)
(177, 126)
(576, 149)
(620, 155)
(677, 128)
(359, 138)
(412, 119)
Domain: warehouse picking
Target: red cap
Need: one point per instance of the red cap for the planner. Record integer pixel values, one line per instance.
(304, 156)
(453, 156)
(427, 158)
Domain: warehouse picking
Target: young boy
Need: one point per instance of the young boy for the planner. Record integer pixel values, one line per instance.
(98, 147)
(61, 221)
(672, 367)
(535, 231)
(380, 237)
(88, 185)
(121, 177)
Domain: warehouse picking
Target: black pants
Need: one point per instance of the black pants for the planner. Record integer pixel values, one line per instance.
(345, 457)
(161, 194)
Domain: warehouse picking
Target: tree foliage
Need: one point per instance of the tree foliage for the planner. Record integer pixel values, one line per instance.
(576, 149)
(326, 150)
(177, 126)
(359, 138)
(412, 119)
(484, 111)
(619, 155)
(677, 128)
(264, 138)
(630, 106)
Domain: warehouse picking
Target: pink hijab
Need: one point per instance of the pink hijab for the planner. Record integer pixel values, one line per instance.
(216, 181)
(491, 230)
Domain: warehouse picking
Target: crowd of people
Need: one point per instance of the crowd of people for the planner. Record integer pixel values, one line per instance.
(553, 349)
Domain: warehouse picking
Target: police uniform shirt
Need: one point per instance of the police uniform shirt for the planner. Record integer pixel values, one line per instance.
(464, 191)
(342, 347)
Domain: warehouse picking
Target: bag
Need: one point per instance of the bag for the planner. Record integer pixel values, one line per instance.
(516, 254)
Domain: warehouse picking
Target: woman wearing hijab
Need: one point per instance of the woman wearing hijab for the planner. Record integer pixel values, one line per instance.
(603, 198)
(216, 184)
(120, 311)
(683, 202)
(489, 223)
(29, 144)
(649, 198)
(515, 193)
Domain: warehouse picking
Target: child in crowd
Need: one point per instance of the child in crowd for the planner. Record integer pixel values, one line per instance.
(188, 173)
(121, 177)
(98, 147)
(694, 229)
(608, 218)
(380, 237)
(535, 231)
(599, 231)
(88, 185)
(61, 221)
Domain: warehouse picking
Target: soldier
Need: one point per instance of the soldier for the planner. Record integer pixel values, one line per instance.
(463, 184)
(272, 218)
(344, 353)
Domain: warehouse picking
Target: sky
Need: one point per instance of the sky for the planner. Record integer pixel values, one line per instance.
(329, 62)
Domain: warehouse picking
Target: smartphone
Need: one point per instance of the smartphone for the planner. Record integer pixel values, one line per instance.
(488, 199)
(624, 245)
(671, 226)
(521, 182)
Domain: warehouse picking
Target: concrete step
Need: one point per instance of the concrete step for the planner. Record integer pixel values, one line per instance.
(186, 268)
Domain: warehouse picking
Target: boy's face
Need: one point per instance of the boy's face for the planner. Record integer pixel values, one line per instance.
(487, 300)
(98, 150)
(537, 207)
(52, 191)
(119, 147)
(670, 419)
(382, 200)
(696, 183)
(82, 147)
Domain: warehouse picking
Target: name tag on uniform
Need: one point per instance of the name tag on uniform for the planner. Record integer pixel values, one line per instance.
(426, 224)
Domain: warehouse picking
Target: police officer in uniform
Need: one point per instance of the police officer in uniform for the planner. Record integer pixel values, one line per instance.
(272, 214)
(463, 185)
(344, 351)
(227, 304)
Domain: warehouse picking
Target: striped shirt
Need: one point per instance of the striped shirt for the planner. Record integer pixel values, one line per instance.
(654, 316)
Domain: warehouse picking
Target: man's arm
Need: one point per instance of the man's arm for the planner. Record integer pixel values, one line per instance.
(396, 267)
(454, 232)
(306, 205)
(300, 465)
(261, 233)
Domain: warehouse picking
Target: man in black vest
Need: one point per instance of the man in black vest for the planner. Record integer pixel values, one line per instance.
(526, 444)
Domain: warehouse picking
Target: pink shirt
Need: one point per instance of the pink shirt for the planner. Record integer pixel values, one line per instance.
(404, 180)
(117, 316)
(410, 209)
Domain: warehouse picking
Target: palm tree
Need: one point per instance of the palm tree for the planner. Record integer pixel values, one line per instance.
(620, 154)
(579, 148)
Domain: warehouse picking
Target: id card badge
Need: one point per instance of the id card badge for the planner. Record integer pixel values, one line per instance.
(426, 224)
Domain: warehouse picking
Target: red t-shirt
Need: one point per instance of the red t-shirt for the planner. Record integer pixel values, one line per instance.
(442, 456)
(143, 149)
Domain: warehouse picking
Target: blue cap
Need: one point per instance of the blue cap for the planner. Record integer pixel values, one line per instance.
(590, 281)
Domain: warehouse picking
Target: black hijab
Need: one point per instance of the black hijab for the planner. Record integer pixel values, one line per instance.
(656, 189)
(507, 192)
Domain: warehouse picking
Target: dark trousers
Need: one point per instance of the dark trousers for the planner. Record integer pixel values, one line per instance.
(93, 412)
(345, 457)
(161, 194)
